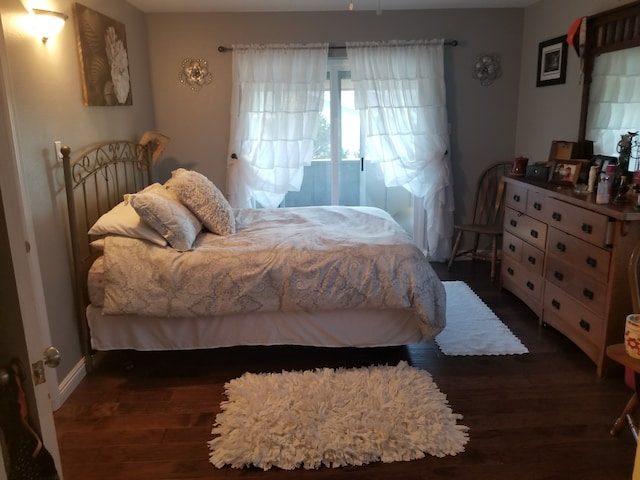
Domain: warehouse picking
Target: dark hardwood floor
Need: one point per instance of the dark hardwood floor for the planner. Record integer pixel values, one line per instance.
(544, 415)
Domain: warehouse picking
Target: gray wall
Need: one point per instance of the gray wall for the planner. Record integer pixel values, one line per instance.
(552, 112)
(483, 119)
(47, 106)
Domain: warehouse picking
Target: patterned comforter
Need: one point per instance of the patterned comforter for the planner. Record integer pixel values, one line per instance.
(291, 259)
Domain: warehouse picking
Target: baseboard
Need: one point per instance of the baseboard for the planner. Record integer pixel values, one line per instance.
(69, 383)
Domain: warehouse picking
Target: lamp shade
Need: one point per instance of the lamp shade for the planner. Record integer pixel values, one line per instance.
(48, 24)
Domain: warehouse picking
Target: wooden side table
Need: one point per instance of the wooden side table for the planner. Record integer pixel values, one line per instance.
(618, 354)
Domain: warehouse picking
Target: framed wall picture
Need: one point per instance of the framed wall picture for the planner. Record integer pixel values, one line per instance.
(552, 62)
(104, 61)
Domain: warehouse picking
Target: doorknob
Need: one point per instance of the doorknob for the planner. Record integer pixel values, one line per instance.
(5, 378)
(51, 357)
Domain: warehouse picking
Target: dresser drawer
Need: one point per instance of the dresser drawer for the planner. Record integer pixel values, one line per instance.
(523, 284)
(583, 288)
(582, 223)
(523, 279)
(582, 326)
(512, 246)
(537, 205)
(529, 229)
(583, 255)
(532, 258)
(516, 197)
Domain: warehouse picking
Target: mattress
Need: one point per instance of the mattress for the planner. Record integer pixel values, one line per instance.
(362, 328)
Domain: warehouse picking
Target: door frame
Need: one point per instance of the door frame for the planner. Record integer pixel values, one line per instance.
(24, 256)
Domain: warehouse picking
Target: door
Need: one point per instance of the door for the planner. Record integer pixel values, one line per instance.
(24, 330)
(27, 456)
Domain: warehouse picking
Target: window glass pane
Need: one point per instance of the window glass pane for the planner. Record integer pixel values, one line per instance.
(350, 169)
(336, 171)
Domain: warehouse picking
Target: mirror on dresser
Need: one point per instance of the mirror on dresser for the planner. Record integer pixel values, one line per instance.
(611, 88)
(614, 101)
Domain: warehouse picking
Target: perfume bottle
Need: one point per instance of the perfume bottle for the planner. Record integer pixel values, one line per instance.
(602, 194)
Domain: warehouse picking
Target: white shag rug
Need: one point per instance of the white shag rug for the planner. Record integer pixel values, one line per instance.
(472, 328)
(333, 418)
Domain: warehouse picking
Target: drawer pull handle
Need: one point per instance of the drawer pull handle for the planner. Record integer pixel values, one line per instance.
(516, 197)
(532, 260)
(586, 228)
(530, 285)
(537, 206)
(585, 325)
(555, 304)
(512, 247)
(534, 233)
(591, 262)
(510, 271)
(588, 293)
(513, 223)
(558, 275)
(556, 216)
(561, 246)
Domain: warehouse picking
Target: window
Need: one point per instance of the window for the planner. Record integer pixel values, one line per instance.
(339, 173)
(398, 87)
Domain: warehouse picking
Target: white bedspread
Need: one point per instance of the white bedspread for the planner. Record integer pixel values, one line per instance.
(292, 259)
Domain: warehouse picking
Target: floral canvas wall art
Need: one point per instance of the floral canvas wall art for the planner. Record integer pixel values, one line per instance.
(104, 61)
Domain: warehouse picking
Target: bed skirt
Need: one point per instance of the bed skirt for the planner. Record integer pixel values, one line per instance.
(352, 328)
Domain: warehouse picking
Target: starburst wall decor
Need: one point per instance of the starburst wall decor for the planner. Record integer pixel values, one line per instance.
(487, 68)
(195, 73)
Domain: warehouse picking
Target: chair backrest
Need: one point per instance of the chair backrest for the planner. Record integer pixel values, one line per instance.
(489, 207)
(634, 278)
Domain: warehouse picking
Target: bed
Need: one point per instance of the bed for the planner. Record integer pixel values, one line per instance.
(193, 273)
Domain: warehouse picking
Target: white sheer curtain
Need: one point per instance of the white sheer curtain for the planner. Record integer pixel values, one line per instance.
(276, 100)
(615, 91)
(400, 93)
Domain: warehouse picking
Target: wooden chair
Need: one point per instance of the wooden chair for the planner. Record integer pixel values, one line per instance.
(487, 216)
(632, 366)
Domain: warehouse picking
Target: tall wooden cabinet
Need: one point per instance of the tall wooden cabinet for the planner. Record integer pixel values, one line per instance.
(566, 257)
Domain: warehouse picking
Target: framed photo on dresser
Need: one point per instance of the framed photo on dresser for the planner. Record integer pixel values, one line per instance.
(566, 170)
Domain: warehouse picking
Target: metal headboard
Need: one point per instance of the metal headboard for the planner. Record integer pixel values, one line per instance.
(95, 182)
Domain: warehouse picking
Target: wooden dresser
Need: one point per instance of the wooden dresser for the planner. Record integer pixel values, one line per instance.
(567, 257)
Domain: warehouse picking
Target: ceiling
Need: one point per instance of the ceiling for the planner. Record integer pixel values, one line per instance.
(150, 6)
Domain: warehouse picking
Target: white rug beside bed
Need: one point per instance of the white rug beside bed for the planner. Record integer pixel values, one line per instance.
(333, 418)
(472, 328)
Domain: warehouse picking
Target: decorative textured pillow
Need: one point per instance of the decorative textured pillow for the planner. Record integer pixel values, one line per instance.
(204, 199)
(163, 212)
(123, 220)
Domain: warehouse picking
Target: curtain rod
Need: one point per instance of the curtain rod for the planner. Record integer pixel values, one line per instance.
(223, 49)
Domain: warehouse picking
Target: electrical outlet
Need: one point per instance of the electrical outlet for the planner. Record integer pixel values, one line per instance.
(57, 147)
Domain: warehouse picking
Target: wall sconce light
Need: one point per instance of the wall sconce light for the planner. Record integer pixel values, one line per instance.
(47, 23)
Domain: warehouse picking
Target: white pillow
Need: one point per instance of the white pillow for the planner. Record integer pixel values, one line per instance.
(123, 220)
(204, 199)
(161, 210)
